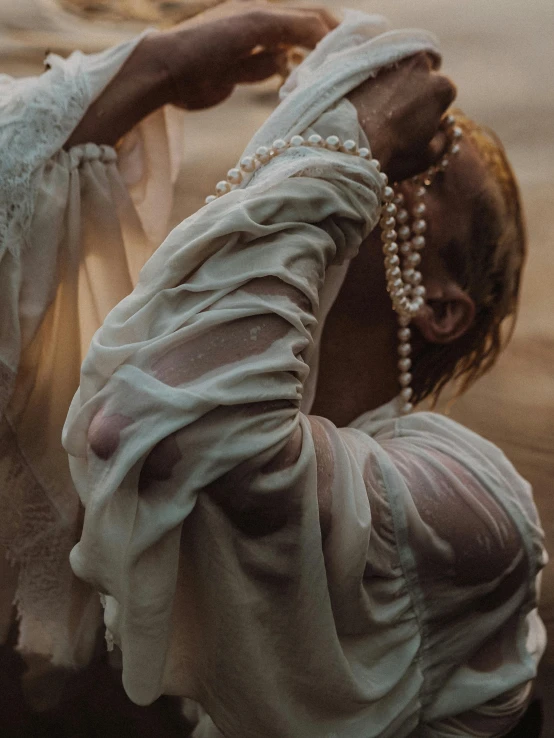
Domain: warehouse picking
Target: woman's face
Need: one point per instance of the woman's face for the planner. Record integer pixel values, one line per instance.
(454, 201)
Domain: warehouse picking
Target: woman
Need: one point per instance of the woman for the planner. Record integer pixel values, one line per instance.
(295, 576)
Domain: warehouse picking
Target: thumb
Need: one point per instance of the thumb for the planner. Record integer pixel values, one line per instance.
(260, 66)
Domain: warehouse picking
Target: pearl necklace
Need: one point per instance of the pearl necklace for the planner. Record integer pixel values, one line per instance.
(401, 261)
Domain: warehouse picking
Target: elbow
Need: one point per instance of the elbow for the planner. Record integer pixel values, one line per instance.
(104, 433)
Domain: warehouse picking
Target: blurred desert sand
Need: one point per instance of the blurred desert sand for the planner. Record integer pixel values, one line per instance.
(501, 55)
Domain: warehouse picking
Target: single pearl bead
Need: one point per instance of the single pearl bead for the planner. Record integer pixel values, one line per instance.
(405, 379)
(402, 216)
(262, 152)
(222, 187)
(404, 364)
(403, 304)
(418, 242)
(297, 141)
(388, 196)
(389, 249)
(210, 199)
(420, 192)
(404, 232)
(376, 164)
(332, 143)
(364, 153)
(406, 393)
(419, 291)
(398, 286)
(407, 408)
(399, 200)
(455, 149)
(444, 162)
(384, 178)
(247, 164)
(416, 278)
(406, 248)
(350, 146)
(234, 176)
(419, 227)
(404, 321)
(279, 145)
(457, 133)
(392, 260)
(414, 259)
(387, 223)
(419, 210)
(450, 120)
(393, 273)
(404, 335)
(408, 274)
(315, 139)
(388, 236)
(389, 209)
(404, 349)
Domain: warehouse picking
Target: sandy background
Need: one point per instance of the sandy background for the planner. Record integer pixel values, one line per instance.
(501, 55)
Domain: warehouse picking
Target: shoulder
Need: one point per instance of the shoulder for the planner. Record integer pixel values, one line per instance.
(463, 491)
(434, 433)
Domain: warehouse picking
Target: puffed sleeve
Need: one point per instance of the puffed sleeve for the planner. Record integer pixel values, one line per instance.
(75, 228)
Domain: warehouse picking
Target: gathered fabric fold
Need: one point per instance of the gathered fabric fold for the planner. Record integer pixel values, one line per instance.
(294, 578)
(223, 325)
(75, 228)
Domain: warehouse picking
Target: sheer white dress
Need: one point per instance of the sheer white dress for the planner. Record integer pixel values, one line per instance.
(294, 578)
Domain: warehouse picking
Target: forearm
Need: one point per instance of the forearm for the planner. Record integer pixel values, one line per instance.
(141, 86)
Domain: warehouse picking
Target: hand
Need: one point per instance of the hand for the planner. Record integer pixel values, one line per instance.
(400, 111)
(239, 41)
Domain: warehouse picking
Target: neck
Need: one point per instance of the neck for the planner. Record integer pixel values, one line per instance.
(358, 353)
(351, 381)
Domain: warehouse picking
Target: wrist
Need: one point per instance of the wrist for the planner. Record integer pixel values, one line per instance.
(153, 54)
(375, 129)
(141, 86)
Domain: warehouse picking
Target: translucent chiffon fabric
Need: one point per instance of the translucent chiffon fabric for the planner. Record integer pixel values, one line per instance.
(75, 228)
(294, 578)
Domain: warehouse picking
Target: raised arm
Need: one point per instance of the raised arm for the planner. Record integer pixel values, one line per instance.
(198, 63)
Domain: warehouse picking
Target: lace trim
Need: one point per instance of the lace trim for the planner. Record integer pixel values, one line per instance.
(37, 540)
(36, 118)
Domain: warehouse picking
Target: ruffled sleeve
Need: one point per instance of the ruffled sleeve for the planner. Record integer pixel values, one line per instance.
(75, 229)
(198, 376)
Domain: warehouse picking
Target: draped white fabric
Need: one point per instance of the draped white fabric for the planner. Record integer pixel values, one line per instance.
(75, 228)
(294, 578)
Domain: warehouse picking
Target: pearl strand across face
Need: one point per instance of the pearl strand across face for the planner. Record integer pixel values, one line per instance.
(401, 260)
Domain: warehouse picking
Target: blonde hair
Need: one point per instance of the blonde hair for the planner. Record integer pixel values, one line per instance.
(490, 272)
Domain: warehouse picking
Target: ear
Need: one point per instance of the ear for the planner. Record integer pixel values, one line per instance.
(448, 312)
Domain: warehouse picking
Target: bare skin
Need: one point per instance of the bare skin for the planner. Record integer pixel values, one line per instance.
(359, 342)
(198, 63)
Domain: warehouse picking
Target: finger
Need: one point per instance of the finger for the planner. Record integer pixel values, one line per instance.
(436, 149)
(423, 60)
(329, 18)
(258, 67)
(293, 28)
(422, 158)
(445, 91)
